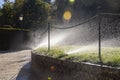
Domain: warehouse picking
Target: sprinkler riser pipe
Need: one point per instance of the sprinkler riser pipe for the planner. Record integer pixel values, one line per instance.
(99, 35)
(48, 37)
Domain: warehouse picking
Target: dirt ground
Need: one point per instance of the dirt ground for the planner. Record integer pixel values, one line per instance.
(11, 62)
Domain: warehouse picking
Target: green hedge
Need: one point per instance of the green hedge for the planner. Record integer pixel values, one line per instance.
(7, 36)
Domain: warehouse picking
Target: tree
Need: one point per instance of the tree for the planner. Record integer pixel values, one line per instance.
(6, 0)
(0, 12)
(34, 12)
(1, 17)
(18, 12)
(8, 13)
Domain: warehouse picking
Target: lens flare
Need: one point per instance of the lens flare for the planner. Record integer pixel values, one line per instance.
(71, 1)
(52, 68)
(67, 15)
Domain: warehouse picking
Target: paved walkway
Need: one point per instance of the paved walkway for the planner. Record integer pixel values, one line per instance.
(14, 63)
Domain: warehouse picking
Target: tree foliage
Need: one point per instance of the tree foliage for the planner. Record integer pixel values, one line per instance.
(7, 13)
(33, 11)
(18, 11)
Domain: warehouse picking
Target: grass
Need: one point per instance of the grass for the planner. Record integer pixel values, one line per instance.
(54, 52)
(110, 55)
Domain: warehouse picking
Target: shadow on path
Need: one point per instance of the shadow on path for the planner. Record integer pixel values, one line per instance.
(25, 72)
(12, 50)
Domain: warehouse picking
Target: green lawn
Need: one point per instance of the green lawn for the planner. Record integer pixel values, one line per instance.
(110, 55)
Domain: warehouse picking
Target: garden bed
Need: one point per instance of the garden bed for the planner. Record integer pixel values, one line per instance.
(110, 55)
(57, 65)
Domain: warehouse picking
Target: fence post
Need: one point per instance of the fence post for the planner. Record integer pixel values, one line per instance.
(99, 34)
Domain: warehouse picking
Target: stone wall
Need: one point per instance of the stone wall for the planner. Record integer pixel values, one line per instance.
(47, 68)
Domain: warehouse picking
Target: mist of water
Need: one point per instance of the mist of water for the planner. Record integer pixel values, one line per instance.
(94, 46)
(55, 40)
(59, 37)
(85, 36)
(83, 49)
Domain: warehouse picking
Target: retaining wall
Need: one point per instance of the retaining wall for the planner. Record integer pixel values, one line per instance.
(45, 67)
